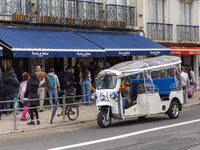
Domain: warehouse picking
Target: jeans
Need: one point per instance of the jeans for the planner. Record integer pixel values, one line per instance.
(85, 87)
(53, 92)
(185, 93)
(10, 97)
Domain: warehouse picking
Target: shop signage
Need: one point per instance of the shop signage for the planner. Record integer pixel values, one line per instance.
(40, 54)
(183, 52)
(83, 54)
(155, 53)
(67, 21)
(124, 53)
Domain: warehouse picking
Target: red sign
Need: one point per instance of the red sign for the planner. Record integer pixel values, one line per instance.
(184, 50)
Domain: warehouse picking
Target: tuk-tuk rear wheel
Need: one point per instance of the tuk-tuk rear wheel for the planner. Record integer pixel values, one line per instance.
(173, 111)
(102, 120)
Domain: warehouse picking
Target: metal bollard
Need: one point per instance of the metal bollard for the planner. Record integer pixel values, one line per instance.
(15, 114)
(64, 107)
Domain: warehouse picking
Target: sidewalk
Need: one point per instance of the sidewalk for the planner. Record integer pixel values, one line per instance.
(86, 113)
(194, 100)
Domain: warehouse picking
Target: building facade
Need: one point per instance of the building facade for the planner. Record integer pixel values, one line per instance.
(92, 15)
(175, 24)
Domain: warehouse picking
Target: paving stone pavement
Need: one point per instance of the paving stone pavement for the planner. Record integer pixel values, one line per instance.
(86, 113)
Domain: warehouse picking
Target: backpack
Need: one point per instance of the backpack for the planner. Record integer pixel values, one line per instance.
(23, 90)
(52, 82)
(66, 81)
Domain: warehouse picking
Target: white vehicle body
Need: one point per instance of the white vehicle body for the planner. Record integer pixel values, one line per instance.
(154, 88)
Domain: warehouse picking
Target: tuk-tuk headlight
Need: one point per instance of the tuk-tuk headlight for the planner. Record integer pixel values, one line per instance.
(102, 96)
(113, 95)
(94, 96)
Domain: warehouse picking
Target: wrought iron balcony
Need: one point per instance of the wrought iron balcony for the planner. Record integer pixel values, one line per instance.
(84, 9)
(160, 31)
(9, 7)
(121, 13)
(58, 8)
(187, 33)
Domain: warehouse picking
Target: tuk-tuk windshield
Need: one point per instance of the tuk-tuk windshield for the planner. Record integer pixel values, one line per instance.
(107, 82)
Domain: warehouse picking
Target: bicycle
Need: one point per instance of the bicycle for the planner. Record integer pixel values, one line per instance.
(71, 111)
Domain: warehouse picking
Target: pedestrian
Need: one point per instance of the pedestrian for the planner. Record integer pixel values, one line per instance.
(21, 92)
(191, 76)
(42, 68)
(185, 83)
(69, 87)
(32, 93)
(77, 84)
(13, 70)
(54, 86)
(85, 82)
(96, 74)
(41, 90)
(11, 88)
(92, 71)
(2, 80)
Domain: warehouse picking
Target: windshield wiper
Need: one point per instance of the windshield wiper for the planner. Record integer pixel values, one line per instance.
(106, 77)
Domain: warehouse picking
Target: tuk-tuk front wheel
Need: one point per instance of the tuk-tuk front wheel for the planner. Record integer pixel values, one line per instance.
(102, 119)
(173, 111)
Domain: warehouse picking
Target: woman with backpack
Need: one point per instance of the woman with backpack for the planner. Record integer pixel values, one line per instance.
(32, 93)
(85, 82)
(54, 86)
(22, 90)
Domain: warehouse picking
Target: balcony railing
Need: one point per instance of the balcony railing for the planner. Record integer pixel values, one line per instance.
(121, 13)
(83, 9)
(160, 31)
(57, 8)
(187, 33)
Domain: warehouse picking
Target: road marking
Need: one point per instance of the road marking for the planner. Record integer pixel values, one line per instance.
(124, 135)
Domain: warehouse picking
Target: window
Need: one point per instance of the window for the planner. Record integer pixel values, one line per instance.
(157, 11)
(185, 14)
(107, 82)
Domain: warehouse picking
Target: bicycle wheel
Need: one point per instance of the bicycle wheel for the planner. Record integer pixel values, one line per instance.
(73, 113)
(53, 114)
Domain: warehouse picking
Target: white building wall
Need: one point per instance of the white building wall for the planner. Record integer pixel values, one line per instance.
(172, 16)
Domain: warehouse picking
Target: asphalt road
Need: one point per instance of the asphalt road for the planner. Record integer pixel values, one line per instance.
(153, 133)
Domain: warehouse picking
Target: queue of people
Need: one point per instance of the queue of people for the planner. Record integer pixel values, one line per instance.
(75, 81)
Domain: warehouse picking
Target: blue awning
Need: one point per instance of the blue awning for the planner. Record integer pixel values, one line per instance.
(46, 43)
(125, 44)
(1, 51)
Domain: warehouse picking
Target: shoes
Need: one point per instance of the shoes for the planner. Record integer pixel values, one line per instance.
(38, 122)
(31, 123)
(23, 119)
(59, 108)
(41, 110)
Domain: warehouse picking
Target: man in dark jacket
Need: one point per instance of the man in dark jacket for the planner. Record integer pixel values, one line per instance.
(2, 80)
(11, 88)
(68, 75)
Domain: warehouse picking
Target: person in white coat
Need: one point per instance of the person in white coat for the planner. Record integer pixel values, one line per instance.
(185, 83)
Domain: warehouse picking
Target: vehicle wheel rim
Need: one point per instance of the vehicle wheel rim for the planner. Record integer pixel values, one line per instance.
(175, 110)
(104, 120)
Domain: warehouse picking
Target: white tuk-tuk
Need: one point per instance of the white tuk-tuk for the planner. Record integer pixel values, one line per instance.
(138, 89)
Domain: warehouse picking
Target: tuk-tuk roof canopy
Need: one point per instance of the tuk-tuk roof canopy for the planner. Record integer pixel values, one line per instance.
(129, 67)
